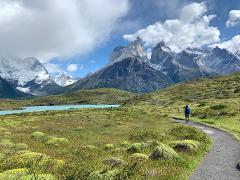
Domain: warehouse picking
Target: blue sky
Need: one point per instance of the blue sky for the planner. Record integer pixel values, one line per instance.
(82, 33)
(144, 13)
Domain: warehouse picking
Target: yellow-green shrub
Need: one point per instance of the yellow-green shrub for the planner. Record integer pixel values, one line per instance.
(164, 152)
(185, 145)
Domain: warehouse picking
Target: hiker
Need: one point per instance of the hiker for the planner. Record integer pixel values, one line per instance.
(187, 113)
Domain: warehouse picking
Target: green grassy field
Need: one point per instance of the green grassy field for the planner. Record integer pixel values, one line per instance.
(123, 143)
(213, 101)
(137, 140)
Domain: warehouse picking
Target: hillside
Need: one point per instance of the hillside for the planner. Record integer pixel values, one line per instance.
(213, 101)
(8, 92)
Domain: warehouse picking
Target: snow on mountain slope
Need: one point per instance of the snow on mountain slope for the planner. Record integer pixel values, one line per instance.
(21, 71)
(63, 79)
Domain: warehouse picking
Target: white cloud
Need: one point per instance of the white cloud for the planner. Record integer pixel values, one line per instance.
(234, 18)
(191, 29)
(50, 28)
(72, 67)
(232, 45)
(53, 68)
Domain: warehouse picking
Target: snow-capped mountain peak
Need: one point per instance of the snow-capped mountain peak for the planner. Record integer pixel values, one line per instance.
(63, 79)
(22, 71)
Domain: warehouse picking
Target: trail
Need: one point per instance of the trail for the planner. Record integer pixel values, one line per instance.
(221, 162)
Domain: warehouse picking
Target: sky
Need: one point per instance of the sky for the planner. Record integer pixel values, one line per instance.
(77, 36)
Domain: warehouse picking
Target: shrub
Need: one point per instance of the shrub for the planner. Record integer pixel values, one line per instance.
(21, 146)
(135, 147)
(7, 144)
(14, 174)
(164, 152)
(24, 175)
(113, 161)
(109, 146)
(152, 143)
(185, 145)
(139, 157)
(38, 135)
(55, 141)
(33, 160)
(103, 175)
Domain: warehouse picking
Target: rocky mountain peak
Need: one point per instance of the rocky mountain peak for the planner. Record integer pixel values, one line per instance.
(134, 49)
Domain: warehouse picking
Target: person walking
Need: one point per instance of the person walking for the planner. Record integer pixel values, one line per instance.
(187, 113)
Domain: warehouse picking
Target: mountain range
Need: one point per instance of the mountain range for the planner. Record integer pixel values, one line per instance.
(130, 68)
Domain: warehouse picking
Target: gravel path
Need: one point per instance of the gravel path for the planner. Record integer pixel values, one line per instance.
(221, 162)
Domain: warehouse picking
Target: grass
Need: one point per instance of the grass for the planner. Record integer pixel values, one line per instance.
(95, 143)
(137, 140)
(213, 101)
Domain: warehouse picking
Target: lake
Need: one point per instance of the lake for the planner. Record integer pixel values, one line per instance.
(54, 108)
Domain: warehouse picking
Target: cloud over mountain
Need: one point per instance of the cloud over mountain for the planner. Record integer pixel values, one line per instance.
(191, 29)
(56, 28)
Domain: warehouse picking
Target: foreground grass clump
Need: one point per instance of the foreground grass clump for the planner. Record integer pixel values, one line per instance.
(135, 147)
(185, 145)
(55, 141)
(38, 135)
(114, 161)
(139, 157)
(164, 152)
(82, 154)
(24, 174)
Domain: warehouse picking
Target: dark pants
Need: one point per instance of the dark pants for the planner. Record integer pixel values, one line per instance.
(187, 117)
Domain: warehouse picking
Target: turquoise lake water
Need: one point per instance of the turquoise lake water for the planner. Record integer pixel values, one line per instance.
(54, 108)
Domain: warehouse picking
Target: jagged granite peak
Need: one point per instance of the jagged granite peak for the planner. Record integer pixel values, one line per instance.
(161, 54)
(134, 49)
(129, 74)
(222, 61)
(63, 79)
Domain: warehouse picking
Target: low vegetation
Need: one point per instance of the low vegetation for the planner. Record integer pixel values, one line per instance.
(213, 101)
(137, 140)
(122, 143)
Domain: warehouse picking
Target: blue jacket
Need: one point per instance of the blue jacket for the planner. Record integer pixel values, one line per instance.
(187, 110)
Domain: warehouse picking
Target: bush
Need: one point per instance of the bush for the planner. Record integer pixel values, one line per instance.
(152, 143)
(24, 175)
(21, 146)
(113, 161)
(109, 146)
(29, 159)
(164, 152)
(139, 157)
(55, 141)
(135, 147)
(7, 144)
(38, 135)
(185, 145)
(103, 175)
